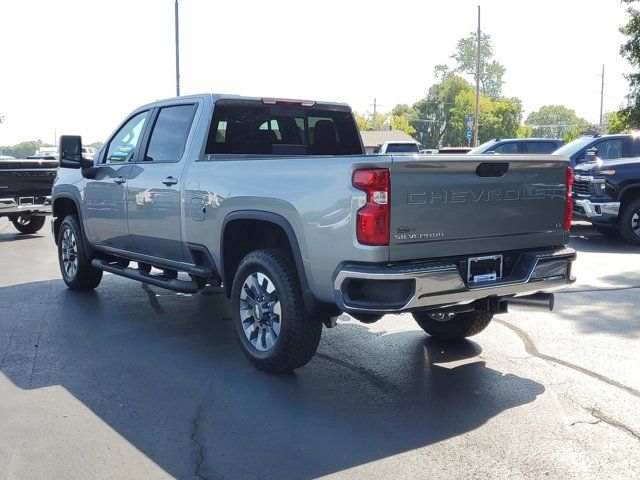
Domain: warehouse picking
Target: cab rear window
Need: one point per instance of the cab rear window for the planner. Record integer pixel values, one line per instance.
(249, 128)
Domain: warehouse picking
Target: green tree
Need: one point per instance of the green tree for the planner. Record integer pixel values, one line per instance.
(491, 71)
(556, 121)
(21, 150)
(629, 116)
(434, 117)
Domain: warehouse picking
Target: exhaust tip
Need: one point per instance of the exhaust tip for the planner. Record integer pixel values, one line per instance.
(538, 301)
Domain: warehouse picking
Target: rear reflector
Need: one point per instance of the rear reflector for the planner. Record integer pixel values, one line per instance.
(568, 213)
(288, 102)
(372, 224)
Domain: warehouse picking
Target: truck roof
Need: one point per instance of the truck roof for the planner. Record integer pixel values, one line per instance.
(215, 97)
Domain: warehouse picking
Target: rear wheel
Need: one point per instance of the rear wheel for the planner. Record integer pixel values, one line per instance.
(453, 326)
(28, 224)
(75, 266)
(271, 324)
(629, 222)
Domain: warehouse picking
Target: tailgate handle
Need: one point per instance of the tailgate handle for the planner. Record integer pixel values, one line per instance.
(492, 169)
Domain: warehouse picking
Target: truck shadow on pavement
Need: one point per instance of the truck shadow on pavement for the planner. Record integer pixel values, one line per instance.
(14, 236)
(164, 371)
(584, 238)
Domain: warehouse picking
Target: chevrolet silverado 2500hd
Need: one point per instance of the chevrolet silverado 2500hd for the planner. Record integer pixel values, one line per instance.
(276, 201)
(25, 191)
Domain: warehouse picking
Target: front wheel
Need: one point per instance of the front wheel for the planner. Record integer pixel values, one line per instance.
(28, 224)
(629, 222)
(453, 326)
(75, 266)
(271, 324)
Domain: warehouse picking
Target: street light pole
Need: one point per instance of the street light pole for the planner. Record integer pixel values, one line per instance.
(177, 52)
(602, 96)
(477, 115)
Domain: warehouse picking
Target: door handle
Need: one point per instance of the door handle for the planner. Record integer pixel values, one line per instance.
(170, 181)
(119, 180)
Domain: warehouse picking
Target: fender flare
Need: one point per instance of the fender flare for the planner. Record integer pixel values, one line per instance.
(88, 248)
(309, 298)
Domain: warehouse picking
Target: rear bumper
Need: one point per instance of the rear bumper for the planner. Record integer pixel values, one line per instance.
(25, 205)
(597, 212)
(398, 288)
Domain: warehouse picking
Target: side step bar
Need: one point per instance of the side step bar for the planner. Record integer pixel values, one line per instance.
(182, 286)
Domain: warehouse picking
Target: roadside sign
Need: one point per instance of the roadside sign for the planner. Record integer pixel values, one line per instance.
(469, 120)
(469, 134)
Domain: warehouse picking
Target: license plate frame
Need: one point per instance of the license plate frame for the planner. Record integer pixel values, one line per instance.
(484, 269)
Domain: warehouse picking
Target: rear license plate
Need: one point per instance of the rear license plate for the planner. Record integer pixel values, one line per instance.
(484, 269)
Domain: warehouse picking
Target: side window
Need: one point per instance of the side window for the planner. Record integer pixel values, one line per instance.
(539, 147)
(124, 142)
(509, 147)
(609, 149)
(170, 132)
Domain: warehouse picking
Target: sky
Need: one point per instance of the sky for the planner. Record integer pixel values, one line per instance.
(80, 66)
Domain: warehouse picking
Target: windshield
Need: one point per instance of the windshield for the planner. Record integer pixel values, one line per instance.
(481, 148)
(402, 148)
(572, 147)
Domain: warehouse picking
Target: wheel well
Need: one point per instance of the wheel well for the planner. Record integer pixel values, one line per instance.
(629, 195)
(245, 235)
(61, 208)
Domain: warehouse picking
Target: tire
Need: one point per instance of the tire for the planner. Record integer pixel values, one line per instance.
(75, 266)
(629, 222)
(453, 326)
(274, 333)
(27, 224)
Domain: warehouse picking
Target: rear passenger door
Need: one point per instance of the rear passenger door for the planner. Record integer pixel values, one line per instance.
(153, 190)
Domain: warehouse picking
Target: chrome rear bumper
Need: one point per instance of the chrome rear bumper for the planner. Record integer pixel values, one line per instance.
(25, 205)
(397, 288)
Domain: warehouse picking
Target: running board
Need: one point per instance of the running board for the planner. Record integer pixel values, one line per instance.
(182, 286)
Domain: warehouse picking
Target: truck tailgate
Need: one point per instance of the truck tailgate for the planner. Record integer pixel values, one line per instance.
(476, 204)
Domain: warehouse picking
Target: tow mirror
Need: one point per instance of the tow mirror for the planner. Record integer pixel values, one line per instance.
(591, 155)
(71, 152)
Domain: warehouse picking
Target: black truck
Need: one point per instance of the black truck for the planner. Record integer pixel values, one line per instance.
(25, 191)
(607, 194)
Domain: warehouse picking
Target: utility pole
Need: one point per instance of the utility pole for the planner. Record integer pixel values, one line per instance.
(375, 111)
(177, 52)
(602, 95)
(477, 115)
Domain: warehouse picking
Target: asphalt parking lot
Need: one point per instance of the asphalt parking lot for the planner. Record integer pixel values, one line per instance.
(132, 381)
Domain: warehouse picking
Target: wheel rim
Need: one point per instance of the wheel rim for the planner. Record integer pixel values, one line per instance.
(23, 220)
(260, 311)
(69, 250)
(635, 223)
(441, 317)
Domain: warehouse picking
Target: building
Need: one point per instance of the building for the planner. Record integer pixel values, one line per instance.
(374, 139)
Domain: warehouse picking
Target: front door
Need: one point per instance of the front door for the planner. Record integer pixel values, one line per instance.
(153, 189)
(105, 211)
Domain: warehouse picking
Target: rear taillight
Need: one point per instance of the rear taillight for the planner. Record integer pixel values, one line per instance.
(568, 211)
(372, 224)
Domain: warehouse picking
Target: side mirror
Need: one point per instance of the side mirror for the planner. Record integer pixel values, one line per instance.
(71, 153)
(591, 155)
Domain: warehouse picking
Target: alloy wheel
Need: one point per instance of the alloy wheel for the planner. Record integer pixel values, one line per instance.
(635, 222)
(69, 250)
(260, 311)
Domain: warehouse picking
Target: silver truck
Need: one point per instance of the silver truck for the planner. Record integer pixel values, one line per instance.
(276, 201)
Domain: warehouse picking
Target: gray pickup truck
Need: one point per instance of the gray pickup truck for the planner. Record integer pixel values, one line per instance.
(276, 201)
